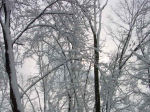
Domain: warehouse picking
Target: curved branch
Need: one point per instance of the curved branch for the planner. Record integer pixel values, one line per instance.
(31, 22)
(46, 74)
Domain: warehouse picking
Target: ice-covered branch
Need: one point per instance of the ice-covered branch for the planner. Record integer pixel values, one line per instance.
(32, 21)
(46, 74)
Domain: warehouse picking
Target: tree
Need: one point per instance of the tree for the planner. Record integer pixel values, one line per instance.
(64, 38)
(94, 18)
(5, 20)
(9, 57)
(122, 82)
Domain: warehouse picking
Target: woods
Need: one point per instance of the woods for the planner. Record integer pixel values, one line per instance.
(74, 56)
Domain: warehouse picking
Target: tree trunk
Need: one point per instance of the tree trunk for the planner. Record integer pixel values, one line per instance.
(15, 99)
(96, 76)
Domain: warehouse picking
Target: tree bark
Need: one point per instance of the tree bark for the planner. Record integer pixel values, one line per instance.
(15, 99)
(96, 76)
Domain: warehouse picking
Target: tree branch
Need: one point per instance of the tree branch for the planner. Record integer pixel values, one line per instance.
(31, 22)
